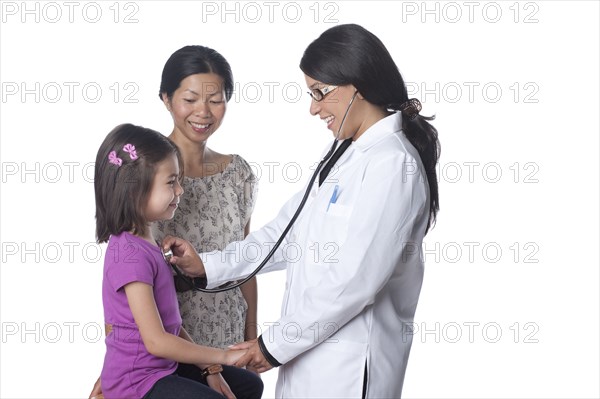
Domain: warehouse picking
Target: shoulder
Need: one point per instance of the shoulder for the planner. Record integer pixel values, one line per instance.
(394, 157)
(242, 168)
(130, 258)
(126, 248)
(215, 162)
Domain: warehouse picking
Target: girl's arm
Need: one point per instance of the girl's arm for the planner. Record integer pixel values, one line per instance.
(215, 381)
(162, 344)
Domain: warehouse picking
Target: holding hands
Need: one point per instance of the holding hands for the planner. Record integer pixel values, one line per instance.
(253, 356)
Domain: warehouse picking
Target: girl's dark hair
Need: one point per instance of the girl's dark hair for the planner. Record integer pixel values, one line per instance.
(122, 190)
(350, 54)
(191, 60)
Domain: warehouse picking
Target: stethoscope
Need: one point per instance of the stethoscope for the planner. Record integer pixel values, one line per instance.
(232, 284)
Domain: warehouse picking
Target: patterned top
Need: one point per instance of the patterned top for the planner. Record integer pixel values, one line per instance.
(213, 212)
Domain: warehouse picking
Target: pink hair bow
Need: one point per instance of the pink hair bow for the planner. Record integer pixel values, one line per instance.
(130, 149)
(114, 159)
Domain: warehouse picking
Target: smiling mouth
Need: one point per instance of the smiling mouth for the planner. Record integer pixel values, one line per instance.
(328, 120)
(200, 125)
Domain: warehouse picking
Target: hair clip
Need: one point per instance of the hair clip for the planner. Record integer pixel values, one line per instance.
(411, 108)
(114, 159)
(130, 149)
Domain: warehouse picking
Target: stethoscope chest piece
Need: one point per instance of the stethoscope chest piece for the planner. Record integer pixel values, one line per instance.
(168, 254)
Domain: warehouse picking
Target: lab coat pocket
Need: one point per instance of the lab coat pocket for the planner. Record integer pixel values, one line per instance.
(329, 229)
(333, 369)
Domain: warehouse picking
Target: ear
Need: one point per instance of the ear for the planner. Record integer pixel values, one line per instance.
(354, 89)
(166, 101)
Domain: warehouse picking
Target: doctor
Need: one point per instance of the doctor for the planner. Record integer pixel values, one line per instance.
(345, 331)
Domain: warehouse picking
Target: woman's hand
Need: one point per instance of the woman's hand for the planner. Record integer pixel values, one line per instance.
(184, 256)
(253, 356)
(218, 383)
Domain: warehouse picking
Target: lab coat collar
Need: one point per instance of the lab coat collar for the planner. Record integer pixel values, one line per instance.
(382, 128)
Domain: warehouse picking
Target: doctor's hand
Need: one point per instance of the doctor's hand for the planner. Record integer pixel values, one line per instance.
(184, 256)
(253, 358)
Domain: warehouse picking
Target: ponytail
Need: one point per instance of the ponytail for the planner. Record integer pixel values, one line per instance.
(424, 137)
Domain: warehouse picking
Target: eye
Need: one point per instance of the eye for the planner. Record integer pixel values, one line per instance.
(317, 94)
(217, 101)
(189, 100)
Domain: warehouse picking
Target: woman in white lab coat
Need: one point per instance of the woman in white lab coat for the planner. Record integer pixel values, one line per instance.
(353, 257)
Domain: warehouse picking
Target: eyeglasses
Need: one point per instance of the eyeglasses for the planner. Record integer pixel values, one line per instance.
(318, 94)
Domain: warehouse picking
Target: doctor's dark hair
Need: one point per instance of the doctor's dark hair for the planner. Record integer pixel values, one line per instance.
(350, 54)
(191, 60)
(122, 182)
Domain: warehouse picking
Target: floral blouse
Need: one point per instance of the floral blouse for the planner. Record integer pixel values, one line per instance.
(213, 212)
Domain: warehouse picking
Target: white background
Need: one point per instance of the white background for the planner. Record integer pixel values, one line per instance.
(509, 305)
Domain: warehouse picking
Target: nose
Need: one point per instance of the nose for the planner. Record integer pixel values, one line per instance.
(315, 107)
(178, 189)
(202, 109)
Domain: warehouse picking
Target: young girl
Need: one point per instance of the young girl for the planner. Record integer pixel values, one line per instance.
(137, 181)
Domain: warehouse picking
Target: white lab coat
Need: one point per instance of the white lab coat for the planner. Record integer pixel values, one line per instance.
(354, 271)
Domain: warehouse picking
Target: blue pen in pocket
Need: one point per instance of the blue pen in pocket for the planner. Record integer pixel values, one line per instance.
(334, 197)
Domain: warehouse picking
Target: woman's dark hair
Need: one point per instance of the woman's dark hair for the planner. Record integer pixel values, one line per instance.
(191, 60)
(122, 182)
(350, 54)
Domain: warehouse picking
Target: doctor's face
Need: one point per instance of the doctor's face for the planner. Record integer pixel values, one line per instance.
(333, 105)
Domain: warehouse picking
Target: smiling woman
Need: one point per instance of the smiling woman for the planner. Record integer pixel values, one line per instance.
(215, 209)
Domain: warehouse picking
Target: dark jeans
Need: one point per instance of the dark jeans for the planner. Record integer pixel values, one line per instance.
(186, 383)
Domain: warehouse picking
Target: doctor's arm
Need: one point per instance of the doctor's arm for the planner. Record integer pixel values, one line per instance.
(386, 214)
(237, 260)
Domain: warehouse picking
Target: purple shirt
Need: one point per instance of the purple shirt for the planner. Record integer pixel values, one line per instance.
(129, 369)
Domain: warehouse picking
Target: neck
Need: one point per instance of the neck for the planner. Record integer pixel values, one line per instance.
(194, 155)
(148, 236)
(373, 114)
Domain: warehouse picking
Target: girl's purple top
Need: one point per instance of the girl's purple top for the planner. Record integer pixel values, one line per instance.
(129, 369)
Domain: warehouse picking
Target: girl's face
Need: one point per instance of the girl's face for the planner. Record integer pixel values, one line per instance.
(197, 107)
(165, 192)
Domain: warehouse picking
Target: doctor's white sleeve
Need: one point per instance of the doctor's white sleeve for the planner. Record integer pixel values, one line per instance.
(239, 259)
(390, 208)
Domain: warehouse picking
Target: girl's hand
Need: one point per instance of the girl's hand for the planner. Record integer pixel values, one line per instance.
(232, 356)
(218, 383)
(253, 357)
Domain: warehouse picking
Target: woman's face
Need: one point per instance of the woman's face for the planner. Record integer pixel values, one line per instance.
(333, 106)
(197, 107)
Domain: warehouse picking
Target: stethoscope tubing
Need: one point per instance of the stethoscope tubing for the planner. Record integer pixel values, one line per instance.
(233, 285)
